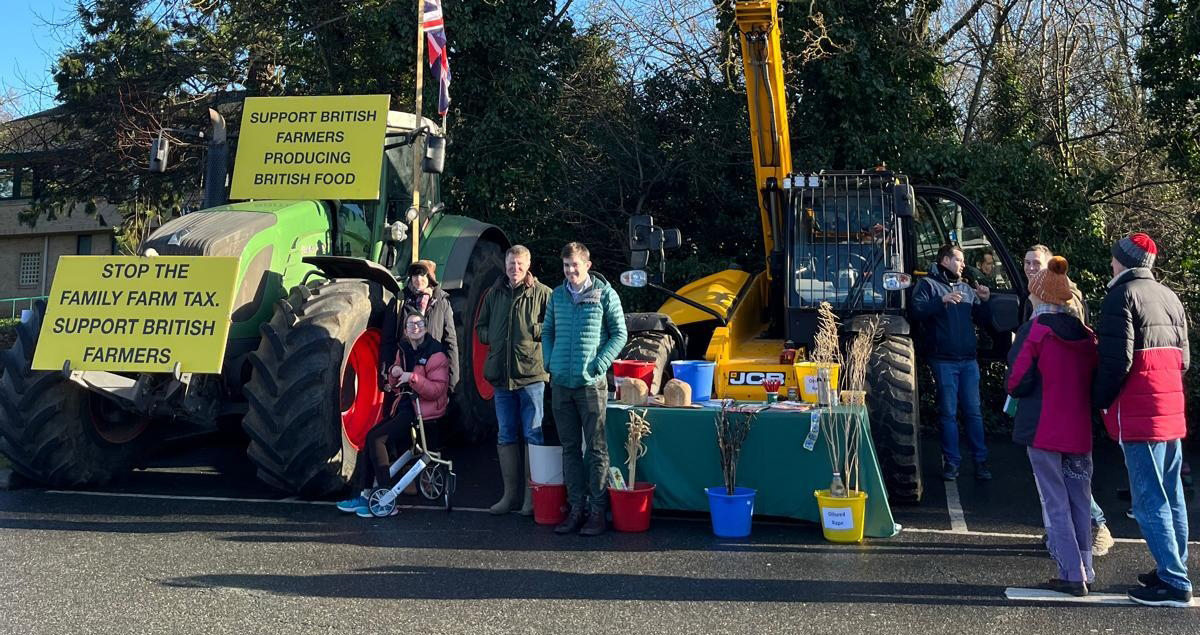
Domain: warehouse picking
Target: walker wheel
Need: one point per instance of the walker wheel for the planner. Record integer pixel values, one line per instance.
(377, 507)
(433, 482)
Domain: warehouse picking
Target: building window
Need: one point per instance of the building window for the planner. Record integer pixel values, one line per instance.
(16, 182)
(83, 244)
(30, 274)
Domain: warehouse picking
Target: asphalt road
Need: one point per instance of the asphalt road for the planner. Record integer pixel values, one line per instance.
(194, 545)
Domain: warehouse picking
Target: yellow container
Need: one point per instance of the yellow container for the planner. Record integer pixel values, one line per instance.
(842, 518)
(806, 379)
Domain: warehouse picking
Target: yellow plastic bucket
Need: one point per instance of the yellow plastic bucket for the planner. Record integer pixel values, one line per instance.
(806, 379)
(842, 518)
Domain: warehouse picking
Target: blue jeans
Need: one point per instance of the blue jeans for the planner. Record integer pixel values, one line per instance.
(1158, 505)
(519, 413)
(1097, 514)
(958, 384)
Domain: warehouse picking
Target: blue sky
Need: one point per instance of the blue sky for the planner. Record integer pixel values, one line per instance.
(32, 33)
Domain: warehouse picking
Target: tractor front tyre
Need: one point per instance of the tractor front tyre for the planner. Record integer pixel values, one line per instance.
(652, 346)
(57, 432)
(472, 412)
(895, 417)
(313, 391)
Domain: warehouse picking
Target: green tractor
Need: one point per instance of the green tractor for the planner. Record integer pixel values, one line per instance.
(302, 357)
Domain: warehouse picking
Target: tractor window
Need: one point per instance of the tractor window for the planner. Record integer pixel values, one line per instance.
(940, 221)
(400, 170)
(844, 233)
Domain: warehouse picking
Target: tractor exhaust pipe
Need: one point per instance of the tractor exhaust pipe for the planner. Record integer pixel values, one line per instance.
(216, 169)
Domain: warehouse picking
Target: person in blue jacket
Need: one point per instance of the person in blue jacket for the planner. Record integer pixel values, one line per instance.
(583, 332)
(948, 309)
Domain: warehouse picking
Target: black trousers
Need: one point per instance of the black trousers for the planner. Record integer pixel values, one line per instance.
(373, 461)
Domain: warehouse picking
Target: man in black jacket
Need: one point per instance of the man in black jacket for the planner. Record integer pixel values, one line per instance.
(947, 306)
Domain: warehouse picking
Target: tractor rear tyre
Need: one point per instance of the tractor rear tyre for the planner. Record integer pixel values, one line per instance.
(652, 346)
(895, 416)
(57, 432)
(313, 390)
(472, 413)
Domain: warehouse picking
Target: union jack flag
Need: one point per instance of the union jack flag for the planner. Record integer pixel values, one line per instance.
(439, 57)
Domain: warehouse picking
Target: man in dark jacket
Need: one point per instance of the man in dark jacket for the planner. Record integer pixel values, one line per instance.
(583, 333)
(1144, 352)
(947, 307)
(510, 323)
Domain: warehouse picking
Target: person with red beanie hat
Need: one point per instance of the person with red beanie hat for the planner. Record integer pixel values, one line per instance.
(1144, 353)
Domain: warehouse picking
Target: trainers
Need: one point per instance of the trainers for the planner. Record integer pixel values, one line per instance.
(982, 473)
(1102, 540)
(1149, 579)
(1077, 589)
(1161, 595)
(950, 473)
(352, 505)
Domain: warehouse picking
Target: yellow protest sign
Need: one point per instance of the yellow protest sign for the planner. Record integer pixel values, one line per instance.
(121, 313)
(311, 147)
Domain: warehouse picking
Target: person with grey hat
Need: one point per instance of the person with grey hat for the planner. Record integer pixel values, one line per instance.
(1144, 352)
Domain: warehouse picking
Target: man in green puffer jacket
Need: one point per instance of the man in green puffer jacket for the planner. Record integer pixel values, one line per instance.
(510, 323)
(583, 333)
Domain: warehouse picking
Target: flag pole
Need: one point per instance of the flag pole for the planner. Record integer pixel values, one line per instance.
(418, 155)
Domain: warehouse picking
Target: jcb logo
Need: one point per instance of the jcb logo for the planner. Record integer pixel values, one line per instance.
(753, 378)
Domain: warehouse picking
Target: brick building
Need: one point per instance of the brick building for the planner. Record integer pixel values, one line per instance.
(29, 252)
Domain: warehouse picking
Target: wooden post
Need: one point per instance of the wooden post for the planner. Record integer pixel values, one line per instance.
(418, 156)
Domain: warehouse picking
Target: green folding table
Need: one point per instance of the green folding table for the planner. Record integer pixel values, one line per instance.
(682, 459)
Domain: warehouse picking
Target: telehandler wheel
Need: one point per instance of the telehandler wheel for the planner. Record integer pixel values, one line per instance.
(895, 416)
(473, 418)
(313, 390)
(56, 432)
(652, 346)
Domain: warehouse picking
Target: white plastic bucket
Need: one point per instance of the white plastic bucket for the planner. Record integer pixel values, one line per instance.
(545, 464)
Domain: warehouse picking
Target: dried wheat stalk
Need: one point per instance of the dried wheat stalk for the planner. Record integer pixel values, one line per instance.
(858, 359)
(639, 428)
(826, 349)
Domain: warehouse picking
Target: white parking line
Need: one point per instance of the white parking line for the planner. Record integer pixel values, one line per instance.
(1044, 595)
(958, 521)
(962, 531)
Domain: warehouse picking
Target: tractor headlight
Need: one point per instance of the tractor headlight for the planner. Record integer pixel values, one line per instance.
(635, 278)
(896, 280)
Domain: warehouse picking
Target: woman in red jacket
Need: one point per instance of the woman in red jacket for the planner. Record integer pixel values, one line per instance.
(1055, 356)
(420, 375)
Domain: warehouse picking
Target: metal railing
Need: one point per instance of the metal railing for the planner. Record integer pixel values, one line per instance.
(16, 305)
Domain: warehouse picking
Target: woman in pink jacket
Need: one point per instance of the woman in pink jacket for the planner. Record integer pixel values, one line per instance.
(1055, 355)
(419, 377)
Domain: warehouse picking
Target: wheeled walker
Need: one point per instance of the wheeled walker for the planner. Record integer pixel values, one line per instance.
(436, 475)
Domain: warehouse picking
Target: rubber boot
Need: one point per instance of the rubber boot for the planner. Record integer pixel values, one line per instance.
(510, 473)
(527, 506)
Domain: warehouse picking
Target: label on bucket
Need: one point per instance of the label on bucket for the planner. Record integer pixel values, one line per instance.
(838, 518)
(810, 384)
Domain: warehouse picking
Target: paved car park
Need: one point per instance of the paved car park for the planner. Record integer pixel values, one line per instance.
(193, 543)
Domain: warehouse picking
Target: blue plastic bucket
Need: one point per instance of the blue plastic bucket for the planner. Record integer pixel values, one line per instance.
(698, 375)
(731, 514)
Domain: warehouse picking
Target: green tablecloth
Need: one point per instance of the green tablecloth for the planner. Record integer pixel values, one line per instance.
(682, 459)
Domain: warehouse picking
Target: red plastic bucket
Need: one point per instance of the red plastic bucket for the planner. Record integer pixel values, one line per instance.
(631, 508)
(549, 503)
(630, 368)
